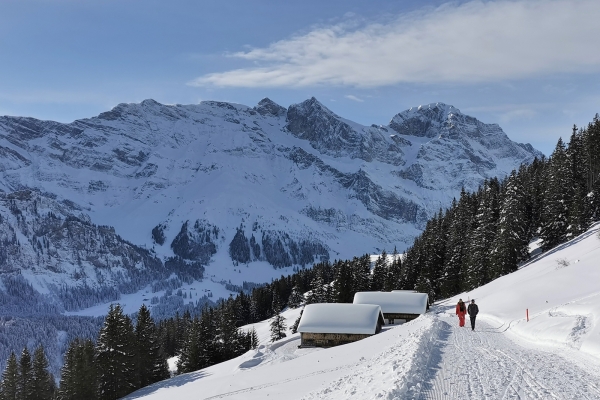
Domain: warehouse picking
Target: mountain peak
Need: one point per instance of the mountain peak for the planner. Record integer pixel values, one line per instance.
(268, 107)
(313, 121)
(439, 111)
(433, 119)
(150, 103)
(312, 106)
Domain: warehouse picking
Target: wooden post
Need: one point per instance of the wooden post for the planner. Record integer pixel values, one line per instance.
(527, 313)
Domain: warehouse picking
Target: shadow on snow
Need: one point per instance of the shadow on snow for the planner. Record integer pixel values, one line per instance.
(176, 381)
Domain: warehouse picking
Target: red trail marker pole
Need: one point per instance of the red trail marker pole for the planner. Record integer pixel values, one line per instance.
(527, 313)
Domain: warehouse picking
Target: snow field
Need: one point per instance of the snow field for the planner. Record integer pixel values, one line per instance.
(394, 373)
(281, 370)
(553, 356)
(561, 290)
(486, 364)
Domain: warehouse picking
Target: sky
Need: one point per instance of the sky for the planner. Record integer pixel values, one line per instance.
(530, 66)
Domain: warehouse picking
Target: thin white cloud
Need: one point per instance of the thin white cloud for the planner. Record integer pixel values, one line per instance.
(473, 42)
(354, 98)
(518, 114)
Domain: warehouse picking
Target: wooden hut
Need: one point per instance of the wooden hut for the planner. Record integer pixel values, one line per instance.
(406, 305)
(332, 324)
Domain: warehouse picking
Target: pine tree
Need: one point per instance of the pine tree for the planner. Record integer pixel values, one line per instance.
(410, 266)
(181, 326)
(228, 337)
(207, 339)
(591, 153)
(9, 388)
(342, 286)
(296, 297)
(88, 370)
(318, 291)
(379, 272)
(294, 327)
(278, 326)
(150, 361)
(254, 342)
(78, 375)
(555, 213)
(254, 307)
(43, 383)
(25, 385)
(68, 379)
(242, 308)
(115, 355)
(478, 265)
(361, 273)
(578, 220)
(510, 246)
(190, 357)
(450, 278)
(533, 178)
(426, 280)
(593, 203)
(392, 281)
(432, 249)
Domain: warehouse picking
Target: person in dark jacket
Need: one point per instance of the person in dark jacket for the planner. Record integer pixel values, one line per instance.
(473, 310)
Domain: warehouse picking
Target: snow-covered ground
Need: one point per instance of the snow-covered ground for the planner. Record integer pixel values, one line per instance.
(554, 355)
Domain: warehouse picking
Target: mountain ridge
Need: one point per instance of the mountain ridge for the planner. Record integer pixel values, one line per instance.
(196, 181)
(174, 206)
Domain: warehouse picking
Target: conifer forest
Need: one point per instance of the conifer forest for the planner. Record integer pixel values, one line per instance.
(483, 235)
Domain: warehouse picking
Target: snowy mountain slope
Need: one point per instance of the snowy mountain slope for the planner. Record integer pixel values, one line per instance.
(554, 355)
(50, 244)
(559, 288)
(226, 185)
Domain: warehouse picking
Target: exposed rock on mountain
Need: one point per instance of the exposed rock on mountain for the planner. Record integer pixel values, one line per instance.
(165, 204)
(79, 264)
(332, 135)
(456, 146)
(267, 107)
(101, 203)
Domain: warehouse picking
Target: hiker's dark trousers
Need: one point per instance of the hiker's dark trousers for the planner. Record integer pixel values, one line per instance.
(473, 322)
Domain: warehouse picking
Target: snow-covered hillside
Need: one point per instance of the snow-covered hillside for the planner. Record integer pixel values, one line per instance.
(556, 354)
(225, 192)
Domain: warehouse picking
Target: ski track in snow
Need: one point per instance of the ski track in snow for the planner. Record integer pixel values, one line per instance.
(485, 364)
(266, 385)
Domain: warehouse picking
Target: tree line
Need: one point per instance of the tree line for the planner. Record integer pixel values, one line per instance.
(481, 236)
(486, 234)
(123, 359)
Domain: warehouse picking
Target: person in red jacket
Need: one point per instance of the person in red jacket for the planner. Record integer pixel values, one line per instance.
(461, 311)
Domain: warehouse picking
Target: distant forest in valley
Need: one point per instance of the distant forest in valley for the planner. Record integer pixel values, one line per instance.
(483, 235)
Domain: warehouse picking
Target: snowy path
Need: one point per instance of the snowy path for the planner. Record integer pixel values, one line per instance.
(485, 364)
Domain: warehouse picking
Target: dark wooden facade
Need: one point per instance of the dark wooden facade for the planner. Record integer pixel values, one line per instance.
(393, 316)
(311, 339)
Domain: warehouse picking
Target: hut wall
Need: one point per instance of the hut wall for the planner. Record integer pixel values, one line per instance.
(309, 339)
(407, 317)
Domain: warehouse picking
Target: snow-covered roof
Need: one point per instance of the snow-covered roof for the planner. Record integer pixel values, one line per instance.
(405, 302)
(340, 318)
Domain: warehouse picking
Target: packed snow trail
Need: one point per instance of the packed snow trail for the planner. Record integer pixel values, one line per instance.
(485, 364)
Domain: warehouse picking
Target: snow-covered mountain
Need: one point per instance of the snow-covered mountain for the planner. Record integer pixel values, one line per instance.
(120, 202)
(553, 352)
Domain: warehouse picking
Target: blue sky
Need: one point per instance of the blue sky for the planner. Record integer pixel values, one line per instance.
(531, 66)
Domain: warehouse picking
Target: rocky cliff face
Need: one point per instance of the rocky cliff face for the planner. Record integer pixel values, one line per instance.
(332, 135)
(107, 200)
(454, 149)
(173, 206)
